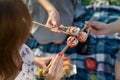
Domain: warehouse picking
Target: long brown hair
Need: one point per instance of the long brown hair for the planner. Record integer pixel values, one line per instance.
(15, 25)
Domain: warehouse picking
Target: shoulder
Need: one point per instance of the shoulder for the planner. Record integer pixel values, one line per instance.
(26, 49)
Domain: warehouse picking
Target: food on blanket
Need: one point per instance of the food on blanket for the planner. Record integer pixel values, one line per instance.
(93, 76)
(90, 63)
(72, 41)
(67, 71)
(39, 72)
(73, 30)
(66, 62)
(82, 37)
(67, 67)
(66, 58)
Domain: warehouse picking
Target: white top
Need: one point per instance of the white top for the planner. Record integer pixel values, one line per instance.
(27, 72)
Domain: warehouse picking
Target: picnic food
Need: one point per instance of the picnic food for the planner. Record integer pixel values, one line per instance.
(67, 67)
(72, 41)
(73, 31)
(90, 63)
(82, 37)
(76, 35)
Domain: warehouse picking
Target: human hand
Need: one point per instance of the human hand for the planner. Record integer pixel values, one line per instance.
(55, 68)
(98, 28)
(42, 61)
(53, 20)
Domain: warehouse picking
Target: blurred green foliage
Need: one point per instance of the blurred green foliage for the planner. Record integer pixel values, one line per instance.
(110, 1)
(87, 1)
(114, 1)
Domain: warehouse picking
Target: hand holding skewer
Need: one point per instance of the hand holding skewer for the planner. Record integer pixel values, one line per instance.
(72, 42)
(69, 30)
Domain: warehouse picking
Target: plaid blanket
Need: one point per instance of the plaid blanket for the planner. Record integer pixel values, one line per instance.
(103, 49)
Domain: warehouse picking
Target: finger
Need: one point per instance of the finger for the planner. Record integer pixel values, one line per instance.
(55, 61)
(54, 23)
(44, 66)
(57, 73)
(49, 23)
(53, 73)
(98, 32)
(94, 31)
(59, 69)
(55, 30)
(59, 64)
(53, 64)
(48, 66)
(61, 27)
(93, 24)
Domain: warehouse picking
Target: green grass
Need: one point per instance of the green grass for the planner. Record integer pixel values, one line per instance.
(110, 1)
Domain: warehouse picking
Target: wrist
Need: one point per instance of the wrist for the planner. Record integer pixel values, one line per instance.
(108, 28)
(47, 5)
(52, 12)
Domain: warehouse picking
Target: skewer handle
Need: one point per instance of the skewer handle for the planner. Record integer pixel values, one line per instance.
(64, 49)
(41, 25)
(38, 24)
(85, 26)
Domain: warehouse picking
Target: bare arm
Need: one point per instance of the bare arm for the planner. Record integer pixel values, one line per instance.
(117, 70)
(53, 14)
(55, 71)
(114, 27)
(101, 28)
(47, 5)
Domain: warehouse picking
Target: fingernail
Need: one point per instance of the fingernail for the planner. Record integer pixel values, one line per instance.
(59, 54)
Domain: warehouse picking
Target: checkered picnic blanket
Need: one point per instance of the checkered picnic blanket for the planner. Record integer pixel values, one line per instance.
(101, 48)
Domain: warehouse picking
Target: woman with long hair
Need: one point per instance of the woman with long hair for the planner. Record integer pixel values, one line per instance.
(16, 59)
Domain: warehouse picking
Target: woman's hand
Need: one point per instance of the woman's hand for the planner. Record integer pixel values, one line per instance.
(53, 15)
(42, 61)
(98, 28)
(55, 68)
(53, 20)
